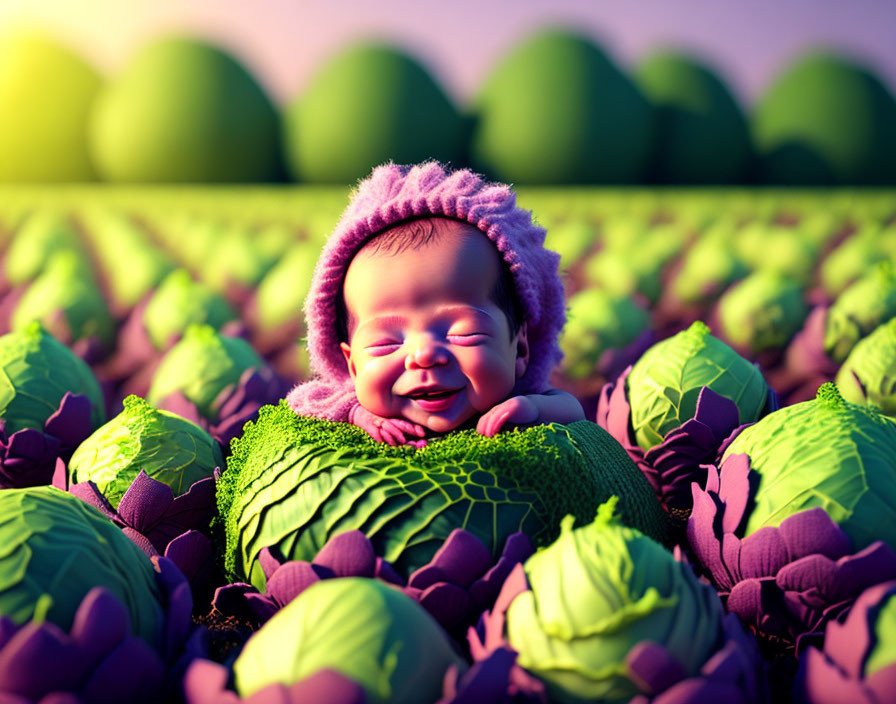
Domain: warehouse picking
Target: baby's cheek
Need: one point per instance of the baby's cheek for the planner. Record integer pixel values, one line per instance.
(492, 379)
(373, 385)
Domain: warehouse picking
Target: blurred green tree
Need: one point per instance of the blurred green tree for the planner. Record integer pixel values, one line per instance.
(826, 120)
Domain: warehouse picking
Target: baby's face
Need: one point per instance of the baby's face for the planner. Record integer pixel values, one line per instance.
(427, 342)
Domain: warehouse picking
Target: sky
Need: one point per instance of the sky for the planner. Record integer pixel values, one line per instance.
(283, 42)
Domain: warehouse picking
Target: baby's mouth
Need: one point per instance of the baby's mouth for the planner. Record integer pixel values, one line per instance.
(433, 399)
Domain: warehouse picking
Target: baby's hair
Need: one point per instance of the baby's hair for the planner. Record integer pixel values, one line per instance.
(417, 233)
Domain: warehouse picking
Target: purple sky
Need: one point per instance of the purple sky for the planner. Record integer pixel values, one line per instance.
(283, 41)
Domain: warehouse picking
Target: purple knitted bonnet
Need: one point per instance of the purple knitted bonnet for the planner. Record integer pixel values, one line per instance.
(393, 193)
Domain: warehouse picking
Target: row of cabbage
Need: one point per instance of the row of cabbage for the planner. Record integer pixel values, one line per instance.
(791, 280)
(406, 574)
(697, 543)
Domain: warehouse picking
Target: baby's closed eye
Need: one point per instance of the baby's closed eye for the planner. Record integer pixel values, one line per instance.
(467, 338)
(382, 347)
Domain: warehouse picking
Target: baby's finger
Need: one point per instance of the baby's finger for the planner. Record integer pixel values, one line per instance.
(396, 437)
(385, 436)
(482, 423)
(498, 422)
(409, 427)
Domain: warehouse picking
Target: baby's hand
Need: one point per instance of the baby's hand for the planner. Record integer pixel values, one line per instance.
(388, 430)
(517, 410)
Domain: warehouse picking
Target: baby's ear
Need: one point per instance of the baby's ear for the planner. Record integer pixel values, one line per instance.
(522, 351)
(347, 353)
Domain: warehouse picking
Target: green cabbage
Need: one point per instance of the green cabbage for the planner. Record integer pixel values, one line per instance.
(66, 285)
(665, 382)
(709, 266)
(168, 448)
(856, 255)
(235, 259)
(572, 240)
(41, 235)
(116, 239)
(179, 301)
(826, 453)
(37, 370)
(200, 366)
(857, 311)
(868, 376)
(368, 631)
(596, 322)
(281, 293)
(292, 482)
(56, 548)
(763, 311)
(596, 592)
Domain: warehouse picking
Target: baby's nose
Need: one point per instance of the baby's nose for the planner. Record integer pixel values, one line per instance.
(426, 353)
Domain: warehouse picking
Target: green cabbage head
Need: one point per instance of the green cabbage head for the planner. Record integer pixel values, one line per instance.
(37, 370)
(42, 235)
(179, 301)
(66, 285)
(868, 376)
(201, 365)
(363, 628)
(598, 321)
(168, 448)
(857, 311)
(665, 382)
(709, 266)
(281, 293)
(762, 312)
(596, 592)
(292, 482)
(826, 453)
(56, 548)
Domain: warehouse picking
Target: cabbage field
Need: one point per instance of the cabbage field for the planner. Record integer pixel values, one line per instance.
(721, 528)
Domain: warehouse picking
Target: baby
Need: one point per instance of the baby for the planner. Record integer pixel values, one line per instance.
(434, 306)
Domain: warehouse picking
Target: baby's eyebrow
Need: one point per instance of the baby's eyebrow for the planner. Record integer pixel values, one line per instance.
(385, 321)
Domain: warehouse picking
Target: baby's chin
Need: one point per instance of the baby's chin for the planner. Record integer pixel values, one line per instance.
(437, 424)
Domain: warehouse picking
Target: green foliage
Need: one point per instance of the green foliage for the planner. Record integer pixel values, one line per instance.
(56, 548)
(556, 110)
(168, 448)
(47, 92)
(702, 135)
(185, 111)
(293, 482)
(368, 631)
(595, 593)
(826, 120)
(665, 382)
(35, 372)
(826, 453)
(367, 105)
(200, 366)
(180, 301)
